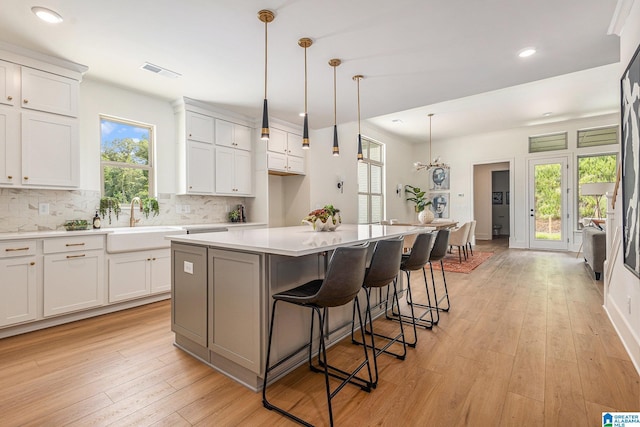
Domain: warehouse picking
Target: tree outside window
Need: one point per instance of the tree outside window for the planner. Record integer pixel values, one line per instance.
(126, 149)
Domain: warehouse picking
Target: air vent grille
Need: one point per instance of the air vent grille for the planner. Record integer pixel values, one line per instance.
(159, 70)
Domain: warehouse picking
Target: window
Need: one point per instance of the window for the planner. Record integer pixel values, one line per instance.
(370, 183)
(594, 169)
(126, 150)
(597, 136)
(551, 142)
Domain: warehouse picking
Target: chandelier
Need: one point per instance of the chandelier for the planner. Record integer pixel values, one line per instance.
(433, 163)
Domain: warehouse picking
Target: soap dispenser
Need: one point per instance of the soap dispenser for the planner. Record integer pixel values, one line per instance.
(96, 221)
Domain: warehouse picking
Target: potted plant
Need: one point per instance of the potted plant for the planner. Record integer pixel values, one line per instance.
(150, 205)
(418, 197)
(109, 205)
(234, 215)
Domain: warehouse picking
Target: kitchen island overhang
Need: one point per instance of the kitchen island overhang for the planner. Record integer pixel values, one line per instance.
(222, 285)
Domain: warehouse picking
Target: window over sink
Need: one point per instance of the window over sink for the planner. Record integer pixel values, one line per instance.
(126, 153)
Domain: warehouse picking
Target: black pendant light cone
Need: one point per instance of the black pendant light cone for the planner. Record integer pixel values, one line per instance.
(336, 148)
(265, 16)
(357, 78)
(304, 43)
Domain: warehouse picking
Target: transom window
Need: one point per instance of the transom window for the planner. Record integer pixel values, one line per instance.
(126, 152)
(371, 183)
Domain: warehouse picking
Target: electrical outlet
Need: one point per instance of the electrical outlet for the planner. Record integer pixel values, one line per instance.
(43, 209)
(178, 209)
(188, 267)
(186, 208)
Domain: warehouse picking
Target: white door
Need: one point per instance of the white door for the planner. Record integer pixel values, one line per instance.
(548, 203)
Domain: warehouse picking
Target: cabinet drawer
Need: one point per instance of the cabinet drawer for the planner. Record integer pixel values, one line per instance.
(17, 248)
(68, 244)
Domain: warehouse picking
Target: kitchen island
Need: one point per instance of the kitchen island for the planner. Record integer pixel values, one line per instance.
(222, 284)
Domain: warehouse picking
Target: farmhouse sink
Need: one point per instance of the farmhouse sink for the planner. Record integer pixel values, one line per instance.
(140, 238)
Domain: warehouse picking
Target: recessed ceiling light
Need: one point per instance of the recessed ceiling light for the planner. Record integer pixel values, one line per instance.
(547, 114)
(47, 15)
(526, 52)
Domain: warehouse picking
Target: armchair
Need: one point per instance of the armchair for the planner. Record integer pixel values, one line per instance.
(458, 237)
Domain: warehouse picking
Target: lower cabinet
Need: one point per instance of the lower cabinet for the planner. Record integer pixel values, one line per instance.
(18, 285)
(139, 274)
(235, 287)
(189, 293)
(73, 274)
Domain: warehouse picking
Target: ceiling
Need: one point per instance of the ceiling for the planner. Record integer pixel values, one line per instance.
(453, 58)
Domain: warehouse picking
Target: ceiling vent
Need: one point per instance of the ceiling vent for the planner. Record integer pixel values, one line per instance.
(159, 70)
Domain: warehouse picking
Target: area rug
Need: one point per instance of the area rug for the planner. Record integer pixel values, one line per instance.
(452, 264)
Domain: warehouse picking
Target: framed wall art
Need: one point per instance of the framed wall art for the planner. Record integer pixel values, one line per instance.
(496, 197)
(439, 205)
(438, 178)
(630, 149)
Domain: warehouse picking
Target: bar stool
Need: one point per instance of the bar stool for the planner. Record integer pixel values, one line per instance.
(414, 261)
(382, 271)
(342, 282)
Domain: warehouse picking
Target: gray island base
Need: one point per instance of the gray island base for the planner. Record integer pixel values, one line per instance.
(221, 291)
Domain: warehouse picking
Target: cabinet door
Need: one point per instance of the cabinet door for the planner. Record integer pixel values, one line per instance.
(9, 146)
(295, 165)
(242, 137)
(129, 276)
(49, 150)
(48, 92)
(73, 281)
(9, 83)
(277, 141)
(224, 170)
(160, 271)
(277, 162)
(224, 133)
(199, 168)
(17, 290)
(199, 127)
(294, 145)
(243, 172)
(235, 314)
(189, 292)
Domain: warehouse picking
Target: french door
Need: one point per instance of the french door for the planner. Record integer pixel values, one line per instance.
(548, 202)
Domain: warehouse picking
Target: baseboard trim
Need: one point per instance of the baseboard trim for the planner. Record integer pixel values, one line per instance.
(625, 332)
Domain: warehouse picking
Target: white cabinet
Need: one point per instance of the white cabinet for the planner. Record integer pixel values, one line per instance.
(18, 285)
(50, 151)
(284, 153)
(9, 149)
(235, 288)
(234, 174)
(199, 167)
(233, 135)
(200, 127)
(9, 83)
(138, 274)
(73, 274)
(49, 92)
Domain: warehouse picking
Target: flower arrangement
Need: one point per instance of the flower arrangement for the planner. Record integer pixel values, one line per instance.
(326, 218)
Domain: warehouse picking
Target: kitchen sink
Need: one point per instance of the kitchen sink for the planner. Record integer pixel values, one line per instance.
(134, 239)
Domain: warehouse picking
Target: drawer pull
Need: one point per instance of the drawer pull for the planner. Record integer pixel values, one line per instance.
(9, 98)
(16, 249)
(75, 256)
(32, 263)
(74, 244)
(26, 101)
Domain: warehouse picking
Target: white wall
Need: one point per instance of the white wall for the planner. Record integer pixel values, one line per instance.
(324, 169)
(622, 288)
(511, 146)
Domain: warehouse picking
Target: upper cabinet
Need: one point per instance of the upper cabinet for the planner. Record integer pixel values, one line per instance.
(285, 155)
(39, 145)
(214, 153)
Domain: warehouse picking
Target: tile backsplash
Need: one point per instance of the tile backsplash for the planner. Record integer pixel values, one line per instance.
(20, 209)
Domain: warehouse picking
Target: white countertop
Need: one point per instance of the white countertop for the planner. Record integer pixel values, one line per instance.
(295, 241)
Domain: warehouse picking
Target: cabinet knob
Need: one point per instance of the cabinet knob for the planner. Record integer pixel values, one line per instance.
(148, 259)
(189, 135)
(9, 98)
(153, 259)
(9, 177)
(190, 187)
(32, 263)
(26, 101)
(26, 178)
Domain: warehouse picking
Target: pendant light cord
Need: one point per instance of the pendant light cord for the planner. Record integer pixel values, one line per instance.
(335, 107)
(265, 59)
(305, 81)
(358, 81)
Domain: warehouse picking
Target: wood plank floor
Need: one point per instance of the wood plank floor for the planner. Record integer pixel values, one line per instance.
(526, 343)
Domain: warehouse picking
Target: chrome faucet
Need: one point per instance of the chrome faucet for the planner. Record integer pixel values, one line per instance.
(132, 218)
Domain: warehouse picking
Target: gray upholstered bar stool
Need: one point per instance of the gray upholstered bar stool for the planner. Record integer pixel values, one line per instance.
(340, 286)
(382, 271)
(438, 252)
(415, 261)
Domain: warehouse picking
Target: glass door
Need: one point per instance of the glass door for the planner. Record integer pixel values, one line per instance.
(548, 203)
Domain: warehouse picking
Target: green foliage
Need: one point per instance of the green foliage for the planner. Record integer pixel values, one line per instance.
(150, 205)
(417, 197)
(126, 181)
(109, 205)
(548, 197)
(595, 169)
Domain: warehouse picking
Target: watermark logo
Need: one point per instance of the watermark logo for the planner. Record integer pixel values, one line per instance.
(621, 419)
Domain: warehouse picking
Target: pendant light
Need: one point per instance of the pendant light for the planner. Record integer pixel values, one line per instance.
(357, 78)
(336, 149)
(304, 43)
(433, 163)
(265, 16)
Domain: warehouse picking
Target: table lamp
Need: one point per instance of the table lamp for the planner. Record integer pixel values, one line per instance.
(596, 189)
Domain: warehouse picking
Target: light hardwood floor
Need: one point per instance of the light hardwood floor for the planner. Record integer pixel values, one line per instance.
(526, 343)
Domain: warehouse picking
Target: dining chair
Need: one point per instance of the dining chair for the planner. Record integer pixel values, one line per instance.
(471, 235)
(458, 238)
(340, 286)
